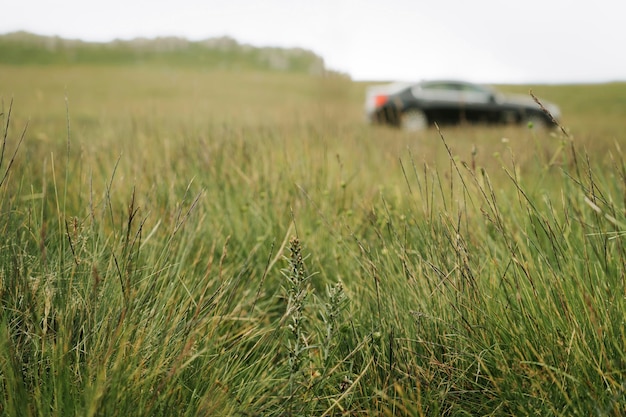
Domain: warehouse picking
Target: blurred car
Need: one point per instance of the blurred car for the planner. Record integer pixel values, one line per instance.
(415, 106)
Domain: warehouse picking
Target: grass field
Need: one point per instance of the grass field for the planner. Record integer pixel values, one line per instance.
(199, 243)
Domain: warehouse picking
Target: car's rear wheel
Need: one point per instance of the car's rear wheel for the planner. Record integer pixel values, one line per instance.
(413, 120)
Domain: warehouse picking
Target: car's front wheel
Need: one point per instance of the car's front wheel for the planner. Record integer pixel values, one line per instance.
(413, 120)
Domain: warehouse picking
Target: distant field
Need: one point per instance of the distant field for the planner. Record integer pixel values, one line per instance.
(149, 265)
(108, 102)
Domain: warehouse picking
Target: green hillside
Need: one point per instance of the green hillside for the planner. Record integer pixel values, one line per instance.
(22, 48)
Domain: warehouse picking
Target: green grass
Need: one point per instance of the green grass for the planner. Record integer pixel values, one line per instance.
(184, 242)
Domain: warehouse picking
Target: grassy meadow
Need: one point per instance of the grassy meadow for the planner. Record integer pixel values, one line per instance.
(186, 242)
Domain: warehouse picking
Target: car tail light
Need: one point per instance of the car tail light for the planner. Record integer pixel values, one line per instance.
(380, 100)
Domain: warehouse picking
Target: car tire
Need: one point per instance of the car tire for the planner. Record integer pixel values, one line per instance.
(413, 120)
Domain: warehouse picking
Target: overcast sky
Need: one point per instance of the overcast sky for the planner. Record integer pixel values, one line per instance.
(479, 40)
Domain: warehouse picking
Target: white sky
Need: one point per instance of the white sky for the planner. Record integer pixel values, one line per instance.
(478, 40)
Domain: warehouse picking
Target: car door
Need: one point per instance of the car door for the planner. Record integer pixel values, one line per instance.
(441, 100)
(478, 103)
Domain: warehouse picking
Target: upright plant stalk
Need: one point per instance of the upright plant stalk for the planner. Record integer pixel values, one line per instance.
(297, 292)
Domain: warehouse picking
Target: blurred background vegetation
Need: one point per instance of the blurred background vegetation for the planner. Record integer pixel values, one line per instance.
(23, 48)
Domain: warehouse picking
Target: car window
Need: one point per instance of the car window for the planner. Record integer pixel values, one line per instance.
(470, 87)
(441, 87)
(438, 92)
(453, 92)
(476, 94)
